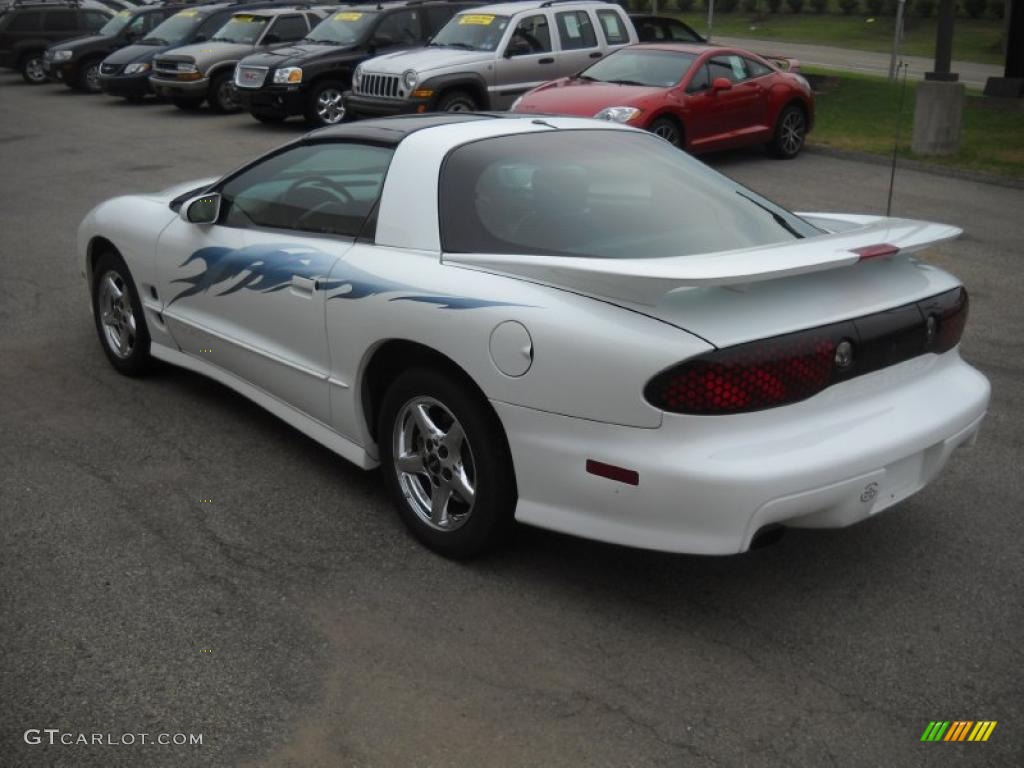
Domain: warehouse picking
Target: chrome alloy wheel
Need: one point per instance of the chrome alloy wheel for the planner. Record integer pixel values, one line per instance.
(667, 131)
(116, 315)
(434, 464)
(34, 69)
(791, 132)
(92, 78)
(329, 106)
(226, 97)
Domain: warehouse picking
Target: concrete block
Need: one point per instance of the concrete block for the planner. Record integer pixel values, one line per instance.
(938, 117)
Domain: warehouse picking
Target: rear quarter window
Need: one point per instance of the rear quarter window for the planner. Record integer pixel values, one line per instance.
(613, 27)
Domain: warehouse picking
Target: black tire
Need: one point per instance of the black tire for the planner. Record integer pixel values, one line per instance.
(457, 101)
(31, 68)
(268, 117)
(790, 133)
(318, 113)
(134, 358)
(484, 458)
(667, 129)
(87, 76)
(187, 105)
(221, 98)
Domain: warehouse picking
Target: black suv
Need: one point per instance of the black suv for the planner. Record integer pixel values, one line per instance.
(310, 77)
(28, 29)
(126, 72)
(77, 62)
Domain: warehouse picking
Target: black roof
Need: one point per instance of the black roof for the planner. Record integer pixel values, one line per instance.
(392, 130)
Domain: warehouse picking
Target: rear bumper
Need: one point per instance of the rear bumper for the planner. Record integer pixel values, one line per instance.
(708, 484)
(281, 101)
(125, 86)
(373, 106)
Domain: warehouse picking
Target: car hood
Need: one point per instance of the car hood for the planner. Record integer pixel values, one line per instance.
(736, 296)
(76, 43)
(208, 52)
(133, 53)
(425, 60)
(296, 55)
(581, 97)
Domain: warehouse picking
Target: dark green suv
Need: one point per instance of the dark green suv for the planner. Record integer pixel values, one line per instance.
(28, 29)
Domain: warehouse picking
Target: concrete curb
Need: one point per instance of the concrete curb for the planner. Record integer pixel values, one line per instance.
(918, 165)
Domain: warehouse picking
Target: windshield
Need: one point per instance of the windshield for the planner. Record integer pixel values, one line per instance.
(657, 69)
(344, 28)
(600, 193)
(174, 30)
(113, 27)
(242, 28)
(472, 31)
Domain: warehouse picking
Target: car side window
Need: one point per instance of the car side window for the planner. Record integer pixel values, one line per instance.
(288, 28)
(575, 30)
(613, 28)
(327, 188)
(756, 68)
(700, 81)
(25, 22)
(399, 28)
(209, 26)
(59, 21)
(680, 33)
(439, 15)
(730, 67)
(531, 35)
(94, 21)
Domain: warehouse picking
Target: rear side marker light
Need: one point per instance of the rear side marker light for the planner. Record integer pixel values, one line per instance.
(612, 472)
(787, 369)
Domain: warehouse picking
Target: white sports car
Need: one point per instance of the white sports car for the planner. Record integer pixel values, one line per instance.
(553, 320)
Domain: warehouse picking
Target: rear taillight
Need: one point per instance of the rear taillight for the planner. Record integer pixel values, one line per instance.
(786, 369)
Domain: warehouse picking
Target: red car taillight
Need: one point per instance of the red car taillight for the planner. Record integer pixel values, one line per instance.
(786, 369)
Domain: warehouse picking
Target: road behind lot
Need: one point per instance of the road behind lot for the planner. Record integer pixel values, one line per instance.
(293, 623)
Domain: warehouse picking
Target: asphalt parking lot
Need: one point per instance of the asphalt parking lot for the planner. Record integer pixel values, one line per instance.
(292, 622)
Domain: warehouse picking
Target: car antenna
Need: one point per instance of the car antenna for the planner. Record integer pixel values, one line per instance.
(896, 139)
(545, 123)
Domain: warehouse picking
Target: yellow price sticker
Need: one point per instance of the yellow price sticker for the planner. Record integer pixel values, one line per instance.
(348, 16)
(478, 19)
(186, 14)
(124, 13)
(247, 18)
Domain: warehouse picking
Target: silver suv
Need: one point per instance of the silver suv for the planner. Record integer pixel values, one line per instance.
(485, 58)
(200, 72)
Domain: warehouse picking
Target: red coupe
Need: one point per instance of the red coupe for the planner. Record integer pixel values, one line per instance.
(699, 97)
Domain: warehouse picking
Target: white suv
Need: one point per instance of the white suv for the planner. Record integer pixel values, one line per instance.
(485, 58)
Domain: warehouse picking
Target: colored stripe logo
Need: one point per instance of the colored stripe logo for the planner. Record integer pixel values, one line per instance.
(958, 730)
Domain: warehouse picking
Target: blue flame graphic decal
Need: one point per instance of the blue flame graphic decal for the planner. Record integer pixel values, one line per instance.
(270, 268)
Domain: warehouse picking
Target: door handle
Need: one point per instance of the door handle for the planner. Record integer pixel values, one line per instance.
(305, 284)
(546, 61)
(596, 55)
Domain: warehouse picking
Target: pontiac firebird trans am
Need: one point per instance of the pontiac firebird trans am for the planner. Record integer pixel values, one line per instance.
(560, 321)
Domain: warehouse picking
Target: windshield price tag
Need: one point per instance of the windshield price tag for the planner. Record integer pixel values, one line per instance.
(479, 19)
(348, 16)
(187, 14)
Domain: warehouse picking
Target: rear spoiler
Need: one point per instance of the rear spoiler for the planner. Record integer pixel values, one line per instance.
(848, 240)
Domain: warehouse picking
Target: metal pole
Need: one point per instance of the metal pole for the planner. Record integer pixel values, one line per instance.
(711, 17)
(944, 43)
(897, 36)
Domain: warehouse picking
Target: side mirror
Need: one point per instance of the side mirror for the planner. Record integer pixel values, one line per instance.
(721, 84)
(200, 38)
(203, 209)
(271, 39)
